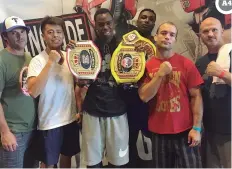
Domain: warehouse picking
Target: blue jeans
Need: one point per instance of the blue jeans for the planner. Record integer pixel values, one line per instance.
(23, 156)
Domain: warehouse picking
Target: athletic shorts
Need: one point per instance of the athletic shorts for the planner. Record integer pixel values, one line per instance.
(62, 140)
(105, 136)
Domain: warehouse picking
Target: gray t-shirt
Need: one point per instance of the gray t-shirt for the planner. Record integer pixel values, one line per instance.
(19, 109)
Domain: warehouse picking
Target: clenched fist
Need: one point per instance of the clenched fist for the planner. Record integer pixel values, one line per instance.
(213, 69)
(165, 68)
(54, 56)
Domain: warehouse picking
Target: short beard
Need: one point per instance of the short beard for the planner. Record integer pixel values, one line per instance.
(164, 48)
(17, 47)
(106, 39)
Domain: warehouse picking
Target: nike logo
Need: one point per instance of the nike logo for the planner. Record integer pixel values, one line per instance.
(122, 153)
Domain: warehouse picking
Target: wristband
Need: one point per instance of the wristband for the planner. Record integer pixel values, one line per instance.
(222, 74)
(197, 128)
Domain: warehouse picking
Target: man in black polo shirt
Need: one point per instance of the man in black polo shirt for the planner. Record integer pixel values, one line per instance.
(216, 98)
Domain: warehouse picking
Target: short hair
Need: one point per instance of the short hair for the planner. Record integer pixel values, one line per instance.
(4, 36)
(102, 11)
(169, 23)
(51, 21)
(148, 10)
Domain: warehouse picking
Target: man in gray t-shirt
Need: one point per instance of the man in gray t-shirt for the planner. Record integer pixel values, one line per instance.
(17, 110)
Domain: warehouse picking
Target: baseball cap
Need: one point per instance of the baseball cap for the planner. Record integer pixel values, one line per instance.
(13, 22)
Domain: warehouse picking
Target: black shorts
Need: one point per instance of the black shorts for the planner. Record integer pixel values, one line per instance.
(62, 140)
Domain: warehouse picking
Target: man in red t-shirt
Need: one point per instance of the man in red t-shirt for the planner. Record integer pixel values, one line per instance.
(171, 86)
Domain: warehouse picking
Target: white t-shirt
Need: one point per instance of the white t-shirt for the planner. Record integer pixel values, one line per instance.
(57, 105)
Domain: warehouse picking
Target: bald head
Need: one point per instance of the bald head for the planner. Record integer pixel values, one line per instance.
(211, 33)
(210, 21)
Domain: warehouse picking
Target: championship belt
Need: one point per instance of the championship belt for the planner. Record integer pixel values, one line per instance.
(84, 60)
(23, 81)
(128, 60)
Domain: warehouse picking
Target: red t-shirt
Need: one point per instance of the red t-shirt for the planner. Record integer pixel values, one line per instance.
(170, 110)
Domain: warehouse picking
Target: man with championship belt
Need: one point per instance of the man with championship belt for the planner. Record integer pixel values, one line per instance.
(104, 119)
(171, 86)
(50, 79)
(146, 23)
(137, 110)
(216, 93)
(17, 111)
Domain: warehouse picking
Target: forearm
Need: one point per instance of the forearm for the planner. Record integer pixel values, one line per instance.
(82, 83)
(197, 110)
(149, 90)
(37, 84)
(227, 78)
(3, 124)
(78, 97)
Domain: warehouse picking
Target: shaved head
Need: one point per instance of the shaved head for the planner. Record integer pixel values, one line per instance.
(210, 21)
(211, 34)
